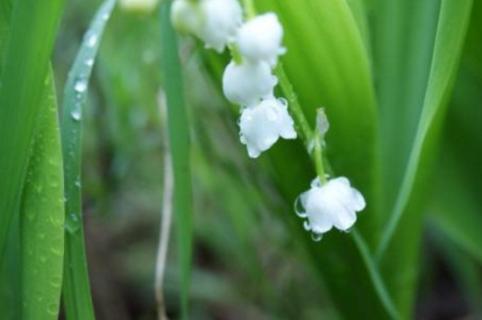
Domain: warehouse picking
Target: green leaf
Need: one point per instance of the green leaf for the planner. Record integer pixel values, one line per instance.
(42, 216)
(398, 249)
(179, 140)
(76, 290)
(24, 67)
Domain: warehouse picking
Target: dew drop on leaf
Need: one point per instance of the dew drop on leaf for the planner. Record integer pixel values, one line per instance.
(72, 223)
(80, 86)
(76, 115)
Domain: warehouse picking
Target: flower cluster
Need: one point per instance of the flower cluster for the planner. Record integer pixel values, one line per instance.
(247, 81)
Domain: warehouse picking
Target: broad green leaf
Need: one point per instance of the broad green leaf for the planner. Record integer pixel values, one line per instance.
(456, 205)
(24, 67)
(42, 216)
(457, 211)
(398, 249)
(76, 289)
(10, 275)
(179, 141)
(403, 40)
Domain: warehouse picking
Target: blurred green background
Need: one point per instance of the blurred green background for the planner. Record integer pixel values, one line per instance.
(247, 262)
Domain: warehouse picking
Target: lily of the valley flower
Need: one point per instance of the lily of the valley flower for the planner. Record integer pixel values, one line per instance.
(247, 83)
(259, 39)
(333, 204)
(215, 22)
(263, 124)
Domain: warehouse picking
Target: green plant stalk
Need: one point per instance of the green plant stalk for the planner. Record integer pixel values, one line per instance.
(42, 216)
(179, 140)
(32, 30)
(76, 287)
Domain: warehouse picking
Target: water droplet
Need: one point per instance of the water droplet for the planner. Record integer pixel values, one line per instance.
(283, 101)
(72, 223)
(80, 86)
(316, 237)
(76, 115)
(299, 209)
(306, 225)
(53, 309)
(91, 40)
(56, 251)
(77, 183)
(89, 62)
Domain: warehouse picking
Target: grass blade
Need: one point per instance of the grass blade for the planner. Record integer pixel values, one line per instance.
(180, 147)
(42, 216)
(76, 290)
(24, 68)
(401, 236)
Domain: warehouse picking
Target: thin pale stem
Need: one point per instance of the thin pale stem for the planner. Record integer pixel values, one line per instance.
(166, 221)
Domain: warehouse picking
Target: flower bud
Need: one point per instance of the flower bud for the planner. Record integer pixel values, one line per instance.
(259, 39)
(247, 83)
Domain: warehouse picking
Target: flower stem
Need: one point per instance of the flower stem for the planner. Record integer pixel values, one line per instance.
(318, 157)
(302, 126)
(312, 139)
(249, 8)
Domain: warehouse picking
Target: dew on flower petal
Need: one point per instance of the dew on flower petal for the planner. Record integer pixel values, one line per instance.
(316, 237)
(348, 230)
(299, 209)
(283, 101)
(306, 225)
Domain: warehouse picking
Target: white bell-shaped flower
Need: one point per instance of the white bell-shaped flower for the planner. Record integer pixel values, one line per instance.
(247, 83)
(223, 18)
(263, 124)
(186, 16)
(215, 22)
(259, 39)
(333, 204)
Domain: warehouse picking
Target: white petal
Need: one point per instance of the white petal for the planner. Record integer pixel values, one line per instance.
(259, 39)
(222, 20)
(344, 218)
(215, 22)
(247, 83)
(359, 202)
(318, 211)
(262, 125)
(186, 16)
